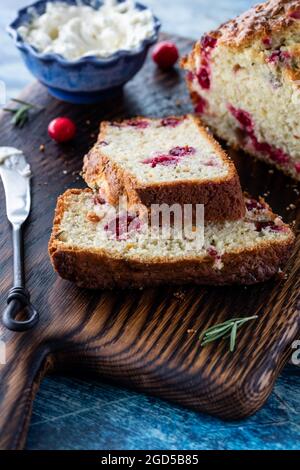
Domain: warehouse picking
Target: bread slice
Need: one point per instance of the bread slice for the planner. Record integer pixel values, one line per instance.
(170, 160)
(86, 250)
(244, 80)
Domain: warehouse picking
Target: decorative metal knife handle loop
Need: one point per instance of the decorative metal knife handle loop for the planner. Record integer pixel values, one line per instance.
(19, 300)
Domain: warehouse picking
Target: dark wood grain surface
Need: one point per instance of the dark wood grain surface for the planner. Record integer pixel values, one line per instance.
(142, 339)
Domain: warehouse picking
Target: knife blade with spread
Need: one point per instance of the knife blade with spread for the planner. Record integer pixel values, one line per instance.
(15, 173)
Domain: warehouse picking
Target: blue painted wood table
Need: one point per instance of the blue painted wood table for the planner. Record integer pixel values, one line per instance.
(72, 413)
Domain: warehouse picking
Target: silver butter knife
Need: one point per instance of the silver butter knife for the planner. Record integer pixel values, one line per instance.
(19, 315)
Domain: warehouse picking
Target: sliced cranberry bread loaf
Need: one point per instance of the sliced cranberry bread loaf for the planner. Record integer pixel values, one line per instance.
(94, 251)
(244, 80)
(170, 160)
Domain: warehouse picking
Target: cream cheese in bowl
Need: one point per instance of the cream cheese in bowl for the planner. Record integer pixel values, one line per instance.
(75, 31)
(84, 51)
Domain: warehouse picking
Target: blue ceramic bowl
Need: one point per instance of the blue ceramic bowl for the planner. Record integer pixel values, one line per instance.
(89, 79)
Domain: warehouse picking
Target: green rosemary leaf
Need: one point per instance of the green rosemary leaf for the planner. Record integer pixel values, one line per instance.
(209, 339)
(225, 330)
(9, 110)
(233, 336)
(25, 103)
(217, 330)
(21, 114)
(20, 121)
(241, 321)
(219, 325)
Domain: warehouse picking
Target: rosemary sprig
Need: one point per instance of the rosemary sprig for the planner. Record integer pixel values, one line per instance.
(21, 113)
(228, 329)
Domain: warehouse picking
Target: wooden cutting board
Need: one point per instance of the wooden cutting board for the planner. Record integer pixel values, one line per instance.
(148, 340)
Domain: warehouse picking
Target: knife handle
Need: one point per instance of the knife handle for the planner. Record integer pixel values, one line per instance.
(18, 301)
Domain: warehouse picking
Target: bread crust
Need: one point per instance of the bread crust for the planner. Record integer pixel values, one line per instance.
(94, 269)
(262, 20)
(272, 19)
(222, 197)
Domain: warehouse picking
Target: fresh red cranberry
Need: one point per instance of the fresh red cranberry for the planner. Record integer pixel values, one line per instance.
(138, 123)
(295, 14)
(164, 160)
(182, 151)
(201, 105)
(170, 122)
(165, 54)
(204, 78)
(297, 167)
(123, 224)
(252, 205)
(62, 129)
(208, 42)
(243, 117)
